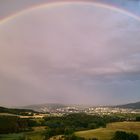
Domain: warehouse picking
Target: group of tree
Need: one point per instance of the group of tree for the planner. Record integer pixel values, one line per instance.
(138, 118)
(68, 124)
(121, 135)
(14, 124)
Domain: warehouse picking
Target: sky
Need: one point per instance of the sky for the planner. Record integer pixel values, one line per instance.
(71, 53)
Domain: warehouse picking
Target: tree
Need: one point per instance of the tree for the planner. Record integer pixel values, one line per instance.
(121, 135)
(138, 118)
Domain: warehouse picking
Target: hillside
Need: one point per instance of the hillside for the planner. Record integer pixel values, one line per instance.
(54, 107)
(16, 111)
(130, 105)
(48, 107)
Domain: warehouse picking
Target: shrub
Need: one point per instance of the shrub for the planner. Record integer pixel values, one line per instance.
(121, 135)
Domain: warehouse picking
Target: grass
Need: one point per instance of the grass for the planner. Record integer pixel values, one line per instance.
(34, 136)
(11, 136)
(107, 133)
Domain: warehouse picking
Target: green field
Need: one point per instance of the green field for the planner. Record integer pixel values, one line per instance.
(107, 133)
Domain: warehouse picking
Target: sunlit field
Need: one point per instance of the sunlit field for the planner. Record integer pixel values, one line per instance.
(107, 133)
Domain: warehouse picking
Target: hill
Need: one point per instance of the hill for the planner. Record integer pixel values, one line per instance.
(16, 111)
(48, 107)
(130, 105)
(55, 107)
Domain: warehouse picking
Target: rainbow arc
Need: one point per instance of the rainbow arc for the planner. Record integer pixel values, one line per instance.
(59, 3)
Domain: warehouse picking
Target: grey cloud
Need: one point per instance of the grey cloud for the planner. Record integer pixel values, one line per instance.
(59, 55)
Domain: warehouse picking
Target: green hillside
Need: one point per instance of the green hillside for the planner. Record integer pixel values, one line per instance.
(16, 111)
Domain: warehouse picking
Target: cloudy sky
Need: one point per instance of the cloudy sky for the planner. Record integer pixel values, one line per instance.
(77, 52)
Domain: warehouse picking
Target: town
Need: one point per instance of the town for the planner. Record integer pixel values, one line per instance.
(99, 110)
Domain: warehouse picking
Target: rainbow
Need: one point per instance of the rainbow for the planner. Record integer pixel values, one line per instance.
(58, 3)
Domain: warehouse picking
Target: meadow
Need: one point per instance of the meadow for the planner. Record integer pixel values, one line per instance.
(108, 132)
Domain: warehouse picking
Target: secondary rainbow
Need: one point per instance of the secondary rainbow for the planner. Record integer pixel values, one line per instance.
(59, 3)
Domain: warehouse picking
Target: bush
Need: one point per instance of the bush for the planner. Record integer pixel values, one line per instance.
(138, 118)
(121, 135)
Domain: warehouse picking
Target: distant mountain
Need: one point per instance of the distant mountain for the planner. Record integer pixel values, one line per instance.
(56, 107)
(131, 105)
(53, 107)
(15, 111)
(44, 107)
